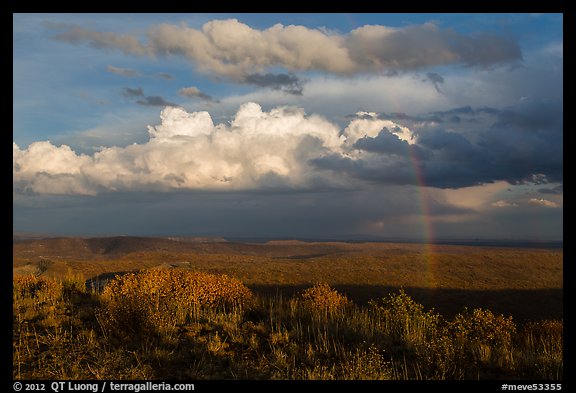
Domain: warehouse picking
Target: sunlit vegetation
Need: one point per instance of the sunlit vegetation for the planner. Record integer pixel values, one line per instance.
(183, 324)
(525, 283)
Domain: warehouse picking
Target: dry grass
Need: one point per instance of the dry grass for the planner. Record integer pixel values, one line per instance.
(290, 311)
(180, 324)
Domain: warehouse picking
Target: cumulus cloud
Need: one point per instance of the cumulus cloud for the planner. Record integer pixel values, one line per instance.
(542, 202)
(122, 71)
(515, 145)
(236, 50)
(194, 92)
(286, 148)
(503, 203)
(188, 151)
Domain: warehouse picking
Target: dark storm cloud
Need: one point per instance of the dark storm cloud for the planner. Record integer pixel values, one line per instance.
(555, 190)
(388, 143)
(520, 144)
(449, 146)
(455, 115)
(238, 214)
(385, 142)
(528, 140)
(287, 83)
(465, 110)
(436, 79)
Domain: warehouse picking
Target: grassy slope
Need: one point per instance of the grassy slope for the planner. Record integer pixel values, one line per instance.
(526, 283)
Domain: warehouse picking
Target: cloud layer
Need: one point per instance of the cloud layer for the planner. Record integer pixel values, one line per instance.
(285, 148)
(233, 49)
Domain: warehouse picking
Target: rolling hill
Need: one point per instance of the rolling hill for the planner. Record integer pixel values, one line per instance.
(526, 282)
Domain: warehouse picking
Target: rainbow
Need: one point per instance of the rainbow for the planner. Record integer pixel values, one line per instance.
(428, 237)
(430, 252)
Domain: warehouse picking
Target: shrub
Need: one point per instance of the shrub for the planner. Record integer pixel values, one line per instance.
(163, 299)
(402, 318)
(481, 336)
(41, 288)
(321, 297)
(483, 327)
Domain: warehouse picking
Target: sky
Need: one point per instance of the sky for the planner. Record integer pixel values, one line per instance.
(324, 126)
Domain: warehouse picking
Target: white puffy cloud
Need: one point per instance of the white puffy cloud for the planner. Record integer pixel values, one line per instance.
(370, 126)
(46, 169)
(543, 202)
(503, 203)
(288, 149)
(256, 150)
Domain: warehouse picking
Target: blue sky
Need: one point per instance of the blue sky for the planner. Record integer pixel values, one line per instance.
(289, 125)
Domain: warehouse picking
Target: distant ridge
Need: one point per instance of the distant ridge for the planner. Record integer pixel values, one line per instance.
(18, 236)
(197, 239)
(132, 243)
(87, 247)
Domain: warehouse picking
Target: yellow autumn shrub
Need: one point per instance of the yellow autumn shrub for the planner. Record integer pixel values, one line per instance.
(166, 298)
(321, 297)
(41, 288)
(483, 327)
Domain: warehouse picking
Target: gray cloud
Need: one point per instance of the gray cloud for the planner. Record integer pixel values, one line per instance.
(194, 92)
(145, 100)
(455, 115)
(419, 46)
(555, 190)
(517, 145)
(233, 49)
(166, 76)
(122, 71)
(436, 79)
(384, 143)
(310, 214)
(130, 92)
(155, 101)
(288, 83)
(77, 35)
